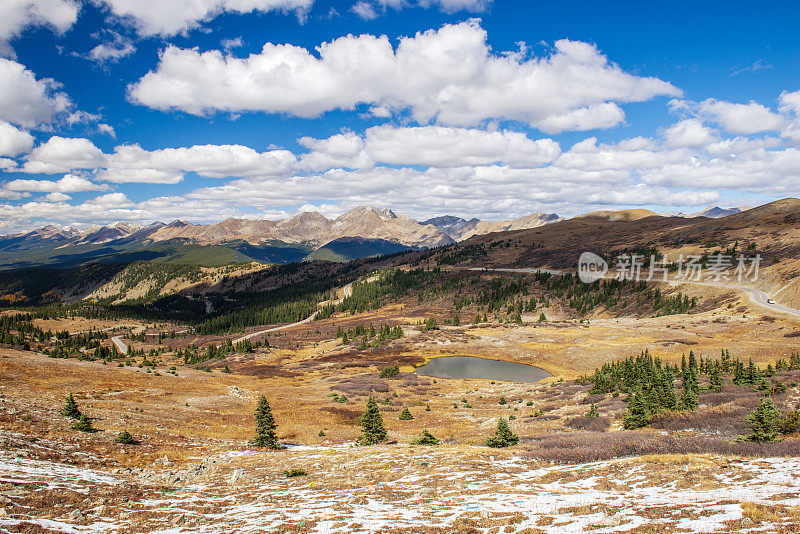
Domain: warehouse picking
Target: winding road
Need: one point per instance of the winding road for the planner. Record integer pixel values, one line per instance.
(346, 292)
(757, 296)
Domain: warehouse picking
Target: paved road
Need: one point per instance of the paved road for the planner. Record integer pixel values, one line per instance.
(121, 346)
(520, 270)
(346, 290)
(757, 296)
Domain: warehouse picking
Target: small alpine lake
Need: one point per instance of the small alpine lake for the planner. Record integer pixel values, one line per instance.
(481, 368)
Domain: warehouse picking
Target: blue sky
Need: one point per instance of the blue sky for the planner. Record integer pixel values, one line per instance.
(144, 110)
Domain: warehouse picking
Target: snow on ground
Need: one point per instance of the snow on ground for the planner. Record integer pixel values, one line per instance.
(389, 489)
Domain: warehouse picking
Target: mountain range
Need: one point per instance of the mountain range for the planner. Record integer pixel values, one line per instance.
(361, 232)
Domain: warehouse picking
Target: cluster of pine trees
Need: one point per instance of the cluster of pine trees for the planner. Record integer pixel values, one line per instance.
(73, 345)
(650, 384)
(369, 333)
(19, 330)
(391, 285)
(463, 254)
(620, 293)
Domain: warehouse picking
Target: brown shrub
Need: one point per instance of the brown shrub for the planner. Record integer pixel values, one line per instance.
(257, 370)
(549, 407)
(593, 399)
(595, 424)
(365, 384)
(582, 447)
(544, 418)
(727, 419)
(345, 415)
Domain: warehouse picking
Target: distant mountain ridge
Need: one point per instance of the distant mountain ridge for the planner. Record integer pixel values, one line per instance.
(711, 212)
(308, 228)
(361, 232)
(459, 229)
(715, 212)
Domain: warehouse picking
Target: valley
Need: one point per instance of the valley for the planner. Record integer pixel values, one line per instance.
(671, 433)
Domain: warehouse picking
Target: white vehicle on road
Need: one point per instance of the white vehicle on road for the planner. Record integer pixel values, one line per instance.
(770, 301)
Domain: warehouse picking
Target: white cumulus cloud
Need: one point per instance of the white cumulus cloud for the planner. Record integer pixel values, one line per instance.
(436, 146)
(27, 101)
(689, 133)
(741, 118)
(131, 163)
(17, 15)
(68, 184)
(370, 10)
(63, 154)
(56, 197)
(14, 141)
(169, 17)
(115, 47)
(449, 76)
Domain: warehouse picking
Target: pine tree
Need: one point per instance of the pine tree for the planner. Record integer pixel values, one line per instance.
(637, 415)
(125, 438)
(688, 400)
(265, 435)
(372, 424)
(426, 438)
(71, 408)
(763, 421)
(503, 436)
(789, 424)
(715, 378)
(84, 424)
(692, 361)
(593, 411)
(405, 415)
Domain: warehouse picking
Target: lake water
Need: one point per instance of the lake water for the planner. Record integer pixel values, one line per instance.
(470, 367)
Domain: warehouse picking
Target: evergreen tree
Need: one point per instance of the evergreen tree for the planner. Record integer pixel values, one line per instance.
(790, 424)
(668, 399)
(593, 411)
(503, 436)
(405, 415)
(715, 378)
(84, 424)
(688, 400)
(763, 421)
(430, 324)
(265, 435)
(125, 438)
(426, 438)
(751, 373)
(637, 415)
(372, 424)
(71, 408)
